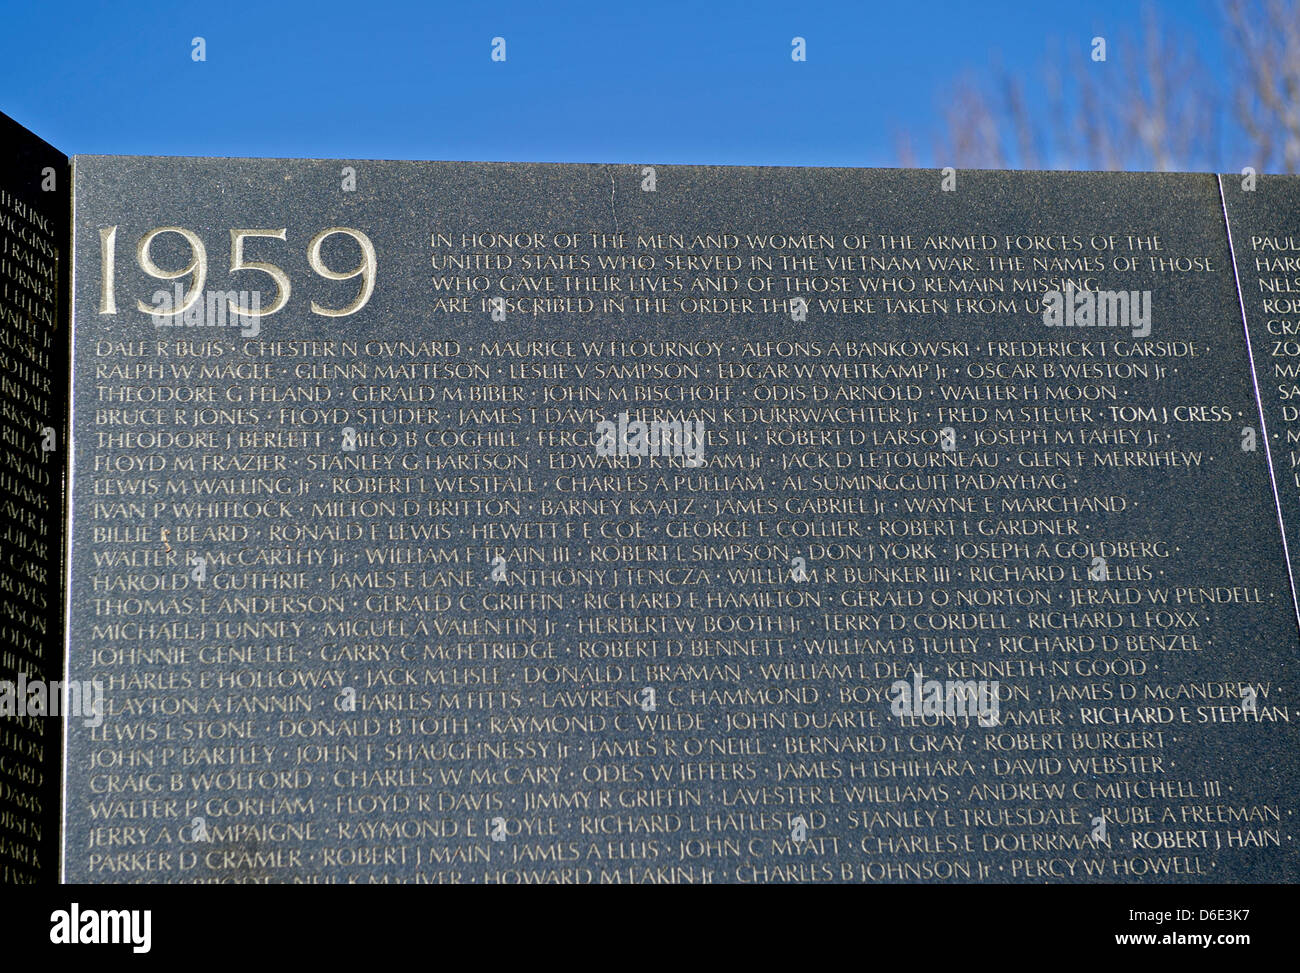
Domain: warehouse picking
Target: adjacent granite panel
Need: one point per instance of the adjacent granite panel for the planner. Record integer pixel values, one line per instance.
(383, 582)
(34, 222)
(1263, 214)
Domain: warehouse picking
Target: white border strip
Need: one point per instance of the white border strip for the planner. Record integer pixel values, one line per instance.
(69, 469)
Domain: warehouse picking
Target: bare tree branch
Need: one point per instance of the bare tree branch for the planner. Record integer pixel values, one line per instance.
(1151, 104)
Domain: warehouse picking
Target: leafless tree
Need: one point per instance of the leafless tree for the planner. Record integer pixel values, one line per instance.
(1153, 103)
(1265, 42)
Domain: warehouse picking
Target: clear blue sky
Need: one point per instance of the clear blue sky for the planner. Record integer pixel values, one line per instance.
(617, 81)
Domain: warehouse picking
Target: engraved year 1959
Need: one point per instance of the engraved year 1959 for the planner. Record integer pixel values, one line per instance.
(197, 270)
